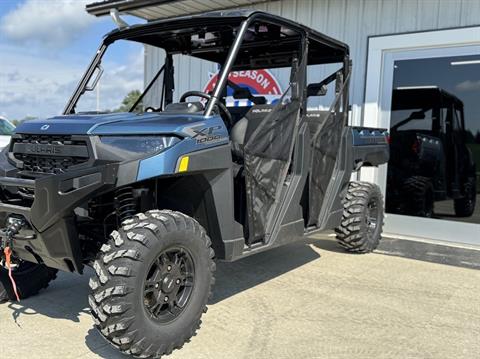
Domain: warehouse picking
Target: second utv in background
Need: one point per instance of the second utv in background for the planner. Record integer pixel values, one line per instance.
(429, 158)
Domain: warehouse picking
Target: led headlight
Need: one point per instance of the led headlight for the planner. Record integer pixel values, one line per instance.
(140, 144)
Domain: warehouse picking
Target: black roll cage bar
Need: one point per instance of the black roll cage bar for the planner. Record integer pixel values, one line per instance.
(167, 86)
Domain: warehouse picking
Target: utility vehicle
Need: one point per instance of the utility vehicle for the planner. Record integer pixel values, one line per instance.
(151, 197)
(6, 130)
(430, 160)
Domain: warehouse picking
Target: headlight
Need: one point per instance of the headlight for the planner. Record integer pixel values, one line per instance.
(140, 144)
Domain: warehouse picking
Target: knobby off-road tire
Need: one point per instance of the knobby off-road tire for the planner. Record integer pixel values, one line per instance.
(465, 206)
(29, 277)
(361, 228)
(419, 196)
(3, 294)
(144, 260)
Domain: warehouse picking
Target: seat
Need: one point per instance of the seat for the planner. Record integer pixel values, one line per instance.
(243, 128)
(237, 135)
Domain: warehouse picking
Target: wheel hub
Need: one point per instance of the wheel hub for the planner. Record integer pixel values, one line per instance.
(169, 284)
(371, 217)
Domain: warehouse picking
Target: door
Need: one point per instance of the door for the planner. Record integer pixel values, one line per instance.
(268, 155)
(444, 80)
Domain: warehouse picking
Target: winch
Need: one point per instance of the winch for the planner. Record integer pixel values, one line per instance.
(14, 225)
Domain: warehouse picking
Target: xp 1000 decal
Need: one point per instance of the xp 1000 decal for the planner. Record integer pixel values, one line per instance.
(206, 134)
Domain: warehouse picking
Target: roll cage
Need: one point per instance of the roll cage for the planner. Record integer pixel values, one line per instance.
(237, 40)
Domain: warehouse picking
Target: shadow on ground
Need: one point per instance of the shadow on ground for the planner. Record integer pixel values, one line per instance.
(66, 298)
(233, 278)
(246, 273)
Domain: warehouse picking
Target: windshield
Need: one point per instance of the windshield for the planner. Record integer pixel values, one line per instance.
(117, 82)
(124, 81)
(412, 119)
(6, 128)
(138, 75)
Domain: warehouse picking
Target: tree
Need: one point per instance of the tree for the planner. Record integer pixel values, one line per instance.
(16, 122)
(129, 101)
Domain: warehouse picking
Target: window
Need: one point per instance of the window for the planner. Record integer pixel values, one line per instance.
(118, 82)
(6, 128)
(435, 138)
(315, 74)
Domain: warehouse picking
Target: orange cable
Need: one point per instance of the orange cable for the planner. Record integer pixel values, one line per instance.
(8, 253)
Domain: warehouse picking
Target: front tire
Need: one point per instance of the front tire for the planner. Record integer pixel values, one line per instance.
(361, 228)
(29, 277)
(153, 280)
(419, 196)
(465, 206)
(3, 294)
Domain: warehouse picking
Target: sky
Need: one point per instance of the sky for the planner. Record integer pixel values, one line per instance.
(45, 46)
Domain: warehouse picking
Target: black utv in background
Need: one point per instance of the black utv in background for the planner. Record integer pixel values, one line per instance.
(150, 199)
(429, 159)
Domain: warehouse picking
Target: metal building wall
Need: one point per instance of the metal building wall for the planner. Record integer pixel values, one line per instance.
(351, 21)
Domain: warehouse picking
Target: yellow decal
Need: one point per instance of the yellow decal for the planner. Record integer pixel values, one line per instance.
(183, 164)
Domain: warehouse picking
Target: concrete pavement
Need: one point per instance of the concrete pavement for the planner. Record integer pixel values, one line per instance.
(306, 300)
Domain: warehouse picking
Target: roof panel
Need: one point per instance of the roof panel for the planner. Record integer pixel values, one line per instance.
(159, 9)
(276, 46)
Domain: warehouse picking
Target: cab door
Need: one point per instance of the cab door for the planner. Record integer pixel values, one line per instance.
(268, 156)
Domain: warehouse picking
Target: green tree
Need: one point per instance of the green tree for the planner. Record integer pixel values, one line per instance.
(129, 101)
(26, 118)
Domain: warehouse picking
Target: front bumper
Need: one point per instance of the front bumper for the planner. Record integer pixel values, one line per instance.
(52, 236)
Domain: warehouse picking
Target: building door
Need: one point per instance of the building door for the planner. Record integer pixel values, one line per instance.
(428, 96)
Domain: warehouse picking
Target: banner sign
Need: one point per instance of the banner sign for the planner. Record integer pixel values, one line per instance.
(259, 82)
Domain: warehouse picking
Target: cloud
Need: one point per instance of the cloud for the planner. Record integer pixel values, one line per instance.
(41, 87)
(116, 82)
(50, 23)
(468, 85)
(28, 83)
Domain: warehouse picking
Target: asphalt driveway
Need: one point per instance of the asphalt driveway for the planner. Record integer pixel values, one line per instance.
(307, 300)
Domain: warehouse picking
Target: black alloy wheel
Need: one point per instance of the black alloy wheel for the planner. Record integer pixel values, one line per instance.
(169, 284)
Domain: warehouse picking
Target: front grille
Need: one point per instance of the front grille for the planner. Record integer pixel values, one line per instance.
(48, 154)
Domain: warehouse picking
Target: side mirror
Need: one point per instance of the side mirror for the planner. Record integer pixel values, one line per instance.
(241, 93)
(417, 115)
(93, 83)
(316, 90)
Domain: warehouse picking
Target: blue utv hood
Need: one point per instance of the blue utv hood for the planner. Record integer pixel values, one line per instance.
(117, 124)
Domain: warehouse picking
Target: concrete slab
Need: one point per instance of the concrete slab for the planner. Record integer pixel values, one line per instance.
(432, 251)
(307, 300)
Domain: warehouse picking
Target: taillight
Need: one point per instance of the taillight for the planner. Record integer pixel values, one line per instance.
(416, 146)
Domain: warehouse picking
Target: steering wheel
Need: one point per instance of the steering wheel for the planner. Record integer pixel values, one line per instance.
(208, 97)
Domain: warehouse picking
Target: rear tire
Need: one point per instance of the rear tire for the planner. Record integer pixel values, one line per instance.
(361, 228)
(419, 197)
(29, 277)
(152, 283)
(465, 206)
(3, 294)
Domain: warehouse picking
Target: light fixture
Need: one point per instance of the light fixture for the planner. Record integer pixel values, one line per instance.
(468, 62)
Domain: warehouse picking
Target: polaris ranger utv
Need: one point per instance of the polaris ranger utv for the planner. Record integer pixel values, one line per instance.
(150, 199)
(430, 160)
